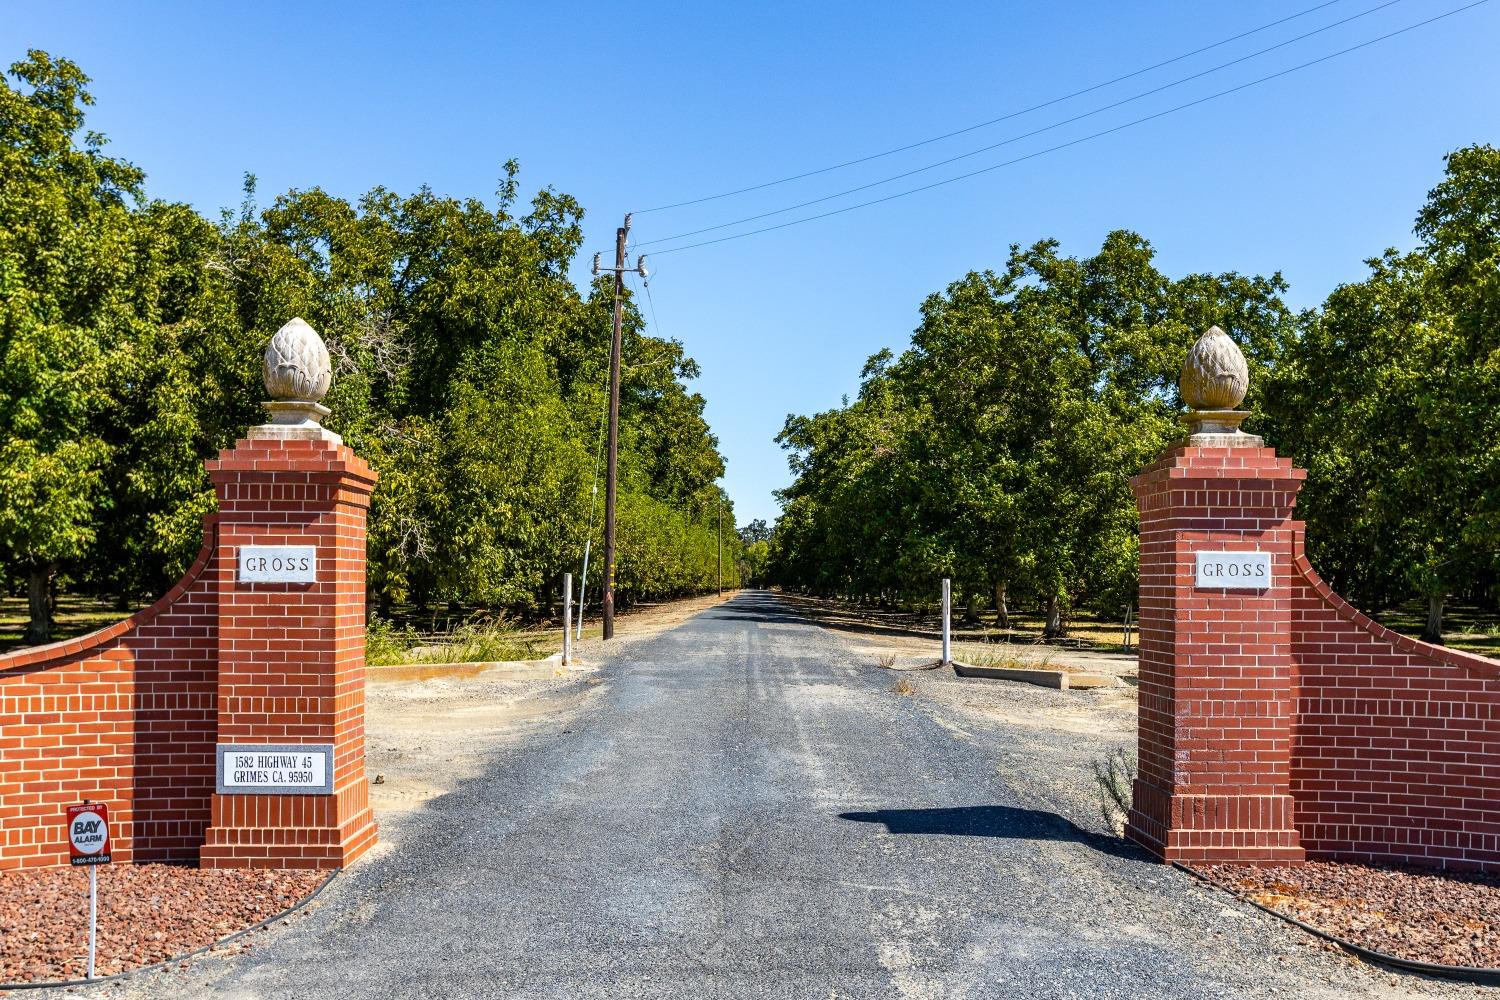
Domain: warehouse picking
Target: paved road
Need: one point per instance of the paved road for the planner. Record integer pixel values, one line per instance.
(749, 811)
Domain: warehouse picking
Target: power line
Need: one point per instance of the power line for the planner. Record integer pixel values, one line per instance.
(994, 121)
(655, 326)
(1021, 136)
(1082, 139)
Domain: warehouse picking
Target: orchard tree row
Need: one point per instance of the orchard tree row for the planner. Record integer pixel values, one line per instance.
(468, 369)
(996, 449)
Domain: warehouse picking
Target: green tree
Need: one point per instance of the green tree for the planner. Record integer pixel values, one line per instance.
(469, 370)
(65, 261)
(996, 450)
(1388, 399)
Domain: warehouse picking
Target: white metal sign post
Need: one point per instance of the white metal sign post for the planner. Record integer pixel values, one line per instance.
(567, 650)
(947, 620)
(88, 844)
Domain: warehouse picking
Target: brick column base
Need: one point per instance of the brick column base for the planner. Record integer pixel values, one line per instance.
(290, 831)
(1212, 828)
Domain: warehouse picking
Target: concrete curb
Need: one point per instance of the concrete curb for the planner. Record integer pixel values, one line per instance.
(1059, 679)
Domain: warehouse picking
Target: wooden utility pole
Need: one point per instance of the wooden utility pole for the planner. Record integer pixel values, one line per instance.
(614, 421)
(614, 434)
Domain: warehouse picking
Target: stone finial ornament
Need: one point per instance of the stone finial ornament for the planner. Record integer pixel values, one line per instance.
(1214, 381)
(297, 364)
(298, 373)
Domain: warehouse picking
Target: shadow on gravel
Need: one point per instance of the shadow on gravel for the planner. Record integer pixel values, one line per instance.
(995, 821)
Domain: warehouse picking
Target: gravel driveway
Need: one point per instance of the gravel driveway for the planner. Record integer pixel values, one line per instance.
(747, 809)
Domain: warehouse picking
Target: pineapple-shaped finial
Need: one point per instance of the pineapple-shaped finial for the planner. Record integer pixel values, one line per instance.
(298, 373)
(1214, 381)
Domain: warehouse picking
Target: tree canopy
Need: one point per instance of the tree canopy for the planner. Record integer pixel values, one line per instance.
(469, 370)
(996, 449)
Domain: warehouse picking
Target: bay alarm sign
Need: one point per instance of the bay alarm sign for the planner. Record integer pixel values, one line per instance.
(1232, 570)
(278, 564)
(88, 834)
(279, 769)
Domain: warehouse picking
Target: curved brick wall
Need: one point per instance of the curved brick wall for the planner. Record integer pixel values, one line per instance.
(1277, 722)
(1395, 742)
(134, 714)
(125, 715)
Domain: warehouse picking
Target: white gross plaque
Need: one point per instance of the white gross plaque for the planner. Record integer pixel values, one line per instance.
(280, 769)
(1232, 570)
(278, 563)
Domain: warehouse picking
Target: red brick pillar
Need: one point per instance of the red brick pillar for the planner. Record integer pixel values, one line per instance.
(291, 700)
(1216, 692)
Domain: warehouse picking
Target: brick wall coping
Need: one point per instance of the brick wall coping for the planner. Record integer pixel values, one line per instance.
(1472, 662)
(68, 648)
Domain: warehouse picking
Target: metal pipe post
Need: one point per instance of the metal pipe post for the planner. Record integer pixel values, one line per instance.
(947, 620)
(93, 916)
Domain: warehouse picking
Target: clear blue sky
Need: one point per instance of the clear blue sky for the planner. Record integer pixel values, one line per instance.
(627, 106)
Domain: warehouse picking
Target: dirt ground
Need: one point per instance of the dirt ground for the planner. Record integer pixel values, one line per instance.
(893, 638)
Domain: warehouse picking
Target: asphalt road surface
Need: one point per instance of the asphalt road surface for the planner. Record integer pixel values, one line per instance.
(748, 810)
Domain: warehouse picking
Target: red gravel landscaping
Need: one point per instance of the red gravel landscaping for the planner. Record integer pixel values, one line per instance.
(1442, 918)
(147, 913)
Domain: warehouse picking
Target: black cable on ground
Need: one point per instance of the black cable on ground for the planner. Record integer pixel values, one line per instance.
(55, 983)
(1462, 973)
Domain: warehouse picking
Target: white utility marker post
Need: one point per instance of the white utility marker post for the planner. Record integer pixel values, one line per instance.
(567, 619)
(947, 620)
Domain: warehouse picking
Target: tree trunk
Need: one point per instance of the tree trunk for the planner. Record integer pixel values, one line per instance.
(39, 603)
(971, 609)
(1002, 613)
(1434, 631)
(1055, 628)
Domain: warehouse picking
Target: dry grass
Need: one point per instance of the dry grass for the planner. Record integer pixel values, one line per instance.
(482, 639)
(886, 660)
(904, 687)
(1000, 656)
(1114, 777)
